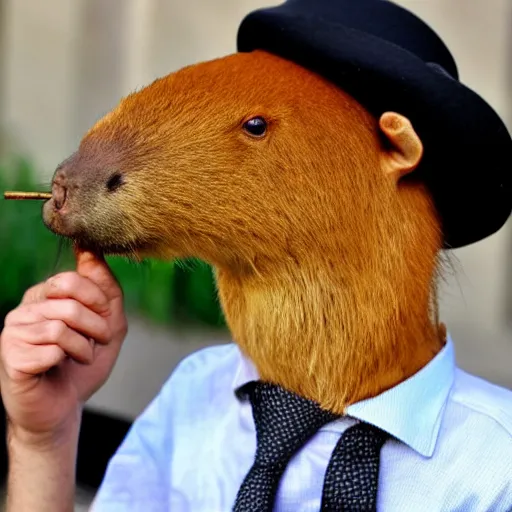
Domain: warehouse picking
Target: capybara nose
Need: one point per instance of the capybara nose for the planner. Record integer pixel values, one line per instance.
(59, 190)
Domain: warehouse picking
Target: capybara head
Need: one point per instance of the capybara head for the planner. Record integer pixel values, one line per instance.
(324, 253)
(240, 161)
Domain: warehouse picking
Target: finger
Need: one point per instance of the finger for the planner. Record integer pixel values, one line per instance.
(72, 313)
(96, 269)
(22, 359)
(54, 332)
(34, 294)
(71, 285)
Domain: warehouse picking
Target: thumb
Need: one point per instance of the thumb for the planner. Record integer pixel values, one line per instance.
(94, 267)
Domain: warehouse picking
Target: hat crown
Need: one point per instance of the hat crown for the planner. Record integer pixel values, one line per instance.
(383, 19)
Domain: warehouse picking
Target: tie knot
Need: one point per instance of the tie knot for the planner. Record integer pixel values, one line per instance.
(367, 435)
(284, 422)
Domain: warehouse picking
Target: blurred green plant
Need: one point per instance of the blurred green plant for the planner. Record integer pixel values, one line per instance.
(164, 292)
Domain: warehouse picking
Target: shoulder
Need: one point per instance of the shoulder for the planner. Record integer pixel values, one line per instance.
(484, 401)
(475, 442)
(167, 434)
(198, 385)
(213, 362)
(201, 376)
(478, 420)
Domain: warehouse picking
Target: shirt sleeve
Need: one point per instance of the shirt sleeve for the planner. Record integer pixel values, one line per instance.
(144, 473)
(137, 475)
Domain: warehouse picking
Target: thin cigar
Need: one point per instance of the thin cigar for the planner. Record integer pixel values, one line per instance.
(41, 196)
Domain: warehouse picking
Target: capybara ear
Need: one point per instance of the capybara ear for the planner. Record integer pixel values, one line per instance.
(403, 153)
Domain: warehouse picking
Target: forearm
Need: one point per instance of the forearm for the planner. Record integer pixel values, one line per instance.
(42, 474)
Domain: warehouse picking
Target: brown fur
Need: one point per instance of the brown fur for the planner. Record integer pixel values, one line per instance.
(325, 265)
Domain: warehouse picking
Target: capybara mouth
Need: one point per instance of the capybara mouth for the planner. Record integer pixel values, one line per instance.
(102, 236)
(132, 249)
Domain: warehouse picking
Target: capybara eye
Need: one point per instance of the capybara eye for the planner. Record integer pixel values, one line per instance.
(114, 182)
(256, 126)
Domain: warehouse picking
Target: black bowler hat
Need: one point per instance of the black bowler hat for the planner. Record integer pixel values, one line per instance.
(390, 60)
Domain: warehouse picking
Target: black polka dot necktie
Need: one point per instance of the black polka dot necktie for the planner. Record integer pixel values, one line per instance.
(351, 478)
(284, 422)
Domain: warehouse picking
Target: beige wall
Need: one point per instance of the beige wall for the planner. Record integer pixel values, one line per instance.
(38, 75)
(68, 62)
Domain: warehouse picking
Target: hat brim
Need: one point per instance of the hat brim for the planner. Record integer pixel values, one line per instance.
(468, 150)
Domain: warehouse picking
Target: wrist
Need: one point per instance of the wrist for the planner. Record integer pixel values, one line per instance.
(44, 463)
(64, 436)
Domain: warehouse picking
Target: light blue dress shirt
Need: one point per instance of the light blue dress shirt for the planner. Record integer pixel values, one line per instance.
(191, 448)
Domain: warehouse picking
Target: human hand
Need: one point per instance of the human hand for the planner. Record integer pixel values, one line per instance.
(58, 348)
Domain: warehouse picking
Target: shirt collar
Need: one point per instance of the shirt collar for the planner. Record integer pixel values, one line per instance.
(411, 411)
